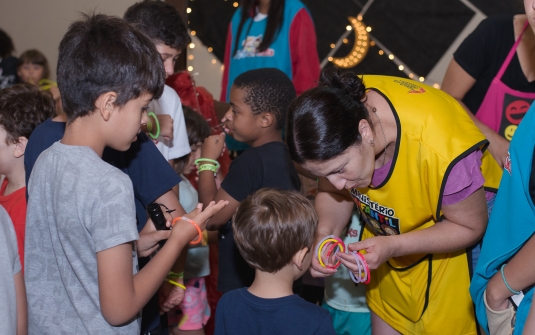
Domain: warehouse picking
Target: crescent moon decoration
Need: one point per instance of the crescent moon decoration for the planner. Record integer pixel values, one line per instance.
(360, 47)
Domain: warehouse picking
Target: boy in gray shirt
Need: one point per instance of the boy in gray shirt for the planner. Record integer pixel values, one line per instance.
(81, 267)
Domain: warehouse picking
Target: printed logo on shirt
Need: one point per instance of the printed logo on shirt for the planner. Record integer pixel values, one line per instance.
(514, 109)
(380, 219)
(507, 165)
(250, 48)
(413, 88)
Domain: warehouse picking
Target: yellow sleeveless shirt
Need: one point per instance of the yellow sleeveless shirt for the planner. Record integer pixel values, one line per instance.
(421, 294)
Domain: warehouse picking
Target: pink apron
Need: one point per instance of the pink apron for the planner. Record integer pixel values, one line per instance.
(503, 108)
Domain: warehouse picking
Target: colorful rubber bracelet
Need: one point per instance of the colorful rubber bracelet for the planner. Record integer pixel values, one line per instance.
(199, 237)
(172, 282)
(208, 167)
(175, 275)
(368, 277)
(507, 284)
(320, 249)
(214, 162)
(357, 279)
(151, 114)
(333, 250)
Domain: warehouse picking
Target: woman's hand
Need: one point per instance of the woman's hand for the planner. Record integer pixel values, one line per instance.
(316, 270)
(213, 146)
(378, 249)
(166, 126)
(499, 148)
(149, 238)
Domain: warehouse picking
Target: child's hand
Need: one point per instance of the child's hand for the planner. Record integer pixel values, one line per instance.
(149, 238)
(224, 126)
(199, 216)
(166, 126)
(213, 146)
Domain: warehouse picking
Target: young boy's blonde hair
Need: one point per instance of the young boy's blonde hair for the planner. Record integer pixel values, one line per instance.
(271, 226)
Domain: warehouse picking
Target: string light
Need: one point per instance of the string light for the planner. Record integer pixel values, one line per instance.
(360, 47)
(421, 79)
(193, 33)
(369, 29)
(210, 49)
(391, 57)
(381, 52)
(235, 4)
(190, 57)
(192, 45)
(401, 67)
(436, 85)
(190, 68)
(213, 61)
(188, 10)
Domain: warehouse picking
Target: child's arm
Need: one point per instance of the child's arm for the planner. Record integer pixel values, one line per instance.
(121, 294)
(22, 308)
(212, 148)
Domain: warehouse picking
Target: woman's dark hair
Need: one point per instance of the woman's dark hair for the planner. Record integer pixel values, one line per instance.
(34, 56)
(160, 21)
(274, 22)
(6, 44)
(198, 130)
(324, 121)
(100, 54)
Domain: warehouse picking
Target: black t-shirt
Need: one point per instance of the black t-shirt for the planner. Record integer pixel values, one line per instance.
(268, 165)
(482, 54)
(8, 71)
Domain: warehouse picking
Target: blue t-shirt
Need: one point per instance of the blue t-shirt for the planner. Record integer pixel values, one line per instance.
(151, 174)
(241, 313)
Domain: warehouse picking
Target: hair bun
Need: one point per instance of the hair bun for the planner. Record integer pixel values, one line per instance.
(347, 81)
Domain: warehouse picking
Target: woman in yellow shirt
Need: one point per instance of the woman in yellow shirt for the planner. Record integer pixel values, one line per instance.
(387, 145)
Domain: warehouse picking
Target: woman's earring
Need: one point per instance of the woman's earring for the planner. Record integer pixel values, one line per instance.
(372, 143)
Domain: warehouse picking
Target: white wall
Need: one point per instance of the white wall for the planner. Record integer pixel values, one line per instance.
(40, 24)
(206, 68)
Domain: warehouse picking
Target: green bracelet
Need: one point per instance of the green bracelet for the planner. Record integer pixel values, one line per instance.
(208, 167)
(149, 125)
(175, 275)
(157, 126)
(214, 162)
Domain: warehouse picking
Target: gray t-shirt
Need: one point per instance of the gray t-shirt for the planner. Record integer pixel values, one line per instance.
(78, 205)
(10, 265)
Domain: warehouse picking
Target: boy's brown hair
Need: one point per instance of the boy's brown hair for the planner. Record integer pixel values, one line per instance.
(271, 226)
(34, 56)
(22, 108)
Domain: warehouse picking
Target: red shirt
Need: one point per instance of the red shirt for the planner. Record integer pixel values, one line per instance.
(15, 206)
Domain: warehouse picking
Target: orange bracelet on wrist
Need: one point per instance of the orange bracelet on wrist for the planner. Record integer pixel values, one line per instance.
(199, 237)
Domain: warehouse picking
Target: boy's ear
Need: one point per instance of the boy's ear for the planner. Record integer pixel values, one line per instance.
(299, 257)
(20, 147)
(266, 119)
(105, 104)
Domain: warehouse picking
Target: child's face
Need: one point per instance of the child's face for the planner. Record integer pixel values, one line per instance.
(169, 57)
(127, 121)
(7, 154)
(30, 73)
(194, 155)
(241, 121)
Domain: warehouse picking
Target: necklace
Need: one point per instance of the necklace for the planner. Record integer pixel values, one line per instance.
(374, 110)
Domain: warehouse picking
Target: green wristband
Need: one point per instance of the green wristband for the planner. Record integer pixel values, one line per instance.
(155, 136)
(214, 162)
(175, 275)
(208, 167)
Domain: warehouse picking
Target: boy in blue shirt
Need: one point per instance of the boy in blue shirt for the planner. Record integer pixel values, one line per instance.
(274, 231)
(258, 103)
(81, 269)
